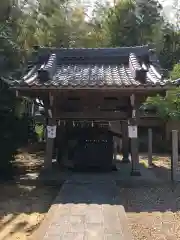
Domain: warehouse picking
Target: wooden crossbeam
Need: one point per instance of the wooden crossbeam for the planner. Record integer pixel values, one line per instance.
(93, 115)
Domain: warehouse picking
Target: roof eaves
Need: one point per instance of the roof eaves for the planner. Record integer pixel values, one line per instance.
(140, 87)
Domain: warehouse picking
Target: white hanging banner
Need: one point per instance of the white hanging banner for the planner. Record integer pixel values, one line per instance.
(133, 113)
(132, 131)
(51, 131)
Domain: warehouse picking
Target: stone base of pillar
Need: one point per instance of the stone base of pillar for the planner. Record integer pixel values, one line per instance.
(135, 173)
(46, 170)
(125, 160)
(151, 166)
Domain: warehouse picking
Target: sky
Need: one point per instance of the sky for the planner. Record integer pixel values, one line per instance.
(168, 10)
(167, 4)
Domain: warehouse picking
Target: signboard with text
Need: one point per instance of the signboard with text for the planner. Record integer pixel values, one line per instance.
(132, 131)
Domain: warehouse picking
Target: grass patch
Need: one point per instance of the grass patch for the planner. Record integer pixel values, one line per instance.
(144, 163)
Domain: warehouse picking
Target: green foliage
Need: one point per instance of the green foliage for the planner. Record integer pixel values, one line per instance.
(66, 23)
(148, 14)
(175, 73)
(26, 23)
(7, 128)
(121, 24)
(39, 129)
(131, 22)
(167, 107)
(15, 131)
(169, 46)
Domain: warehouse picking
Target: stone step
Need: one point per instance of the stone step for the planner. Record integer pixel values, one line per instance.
(86, 211)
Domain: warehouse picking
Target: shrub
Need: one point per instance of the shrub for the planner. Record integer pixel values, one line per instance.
(175, 74)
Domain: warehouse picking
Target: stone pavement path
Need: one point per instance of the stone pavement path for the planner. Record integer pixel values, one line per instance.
(88, 210)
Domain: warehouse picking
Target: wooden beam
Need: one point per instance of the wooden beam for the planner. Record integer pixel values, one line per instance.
(124, 91)
(92, 115)
(89, 101)
(78, 108)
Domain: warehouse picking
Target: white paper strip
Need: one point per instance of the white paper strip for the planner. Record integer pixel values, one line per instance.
(133, 113)
(50, 113)
(51, 131)
(132, 131)
(132, 98)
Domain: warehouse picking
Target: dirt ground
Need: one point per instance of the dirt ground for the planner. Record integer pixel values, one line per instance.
(153, 213)
(24, 206)
(161, 166)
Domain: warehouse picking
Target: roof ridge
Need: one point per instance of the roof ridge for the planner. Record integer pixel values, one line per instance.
(92, 55)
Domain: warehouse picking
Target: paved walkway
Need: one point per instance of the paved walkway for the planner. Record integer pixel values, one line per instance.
(87, 210)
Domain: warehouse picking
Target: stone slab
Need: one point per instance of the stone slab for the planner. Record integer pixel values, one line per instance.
(88, 211)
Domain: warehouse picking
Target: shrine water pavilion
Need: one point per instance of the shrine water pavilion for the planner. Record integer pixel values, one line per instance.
(85, 92)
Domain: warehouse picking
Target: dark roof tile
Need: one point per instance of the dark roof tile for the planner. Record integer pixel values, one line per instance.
(113, 67)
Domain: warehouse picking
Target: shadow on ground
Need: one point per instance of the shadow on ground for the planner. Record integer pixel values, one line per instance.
(23, 204)
(22, 208)
(148, 193)
(152, 192)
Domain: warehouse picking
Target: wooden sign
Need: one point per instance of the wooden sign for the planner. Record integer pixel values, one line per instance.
(51, 131)
(132, 131)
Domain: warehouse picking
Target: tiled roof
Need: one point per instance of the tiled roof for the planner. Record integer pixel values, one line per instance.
(111, 67)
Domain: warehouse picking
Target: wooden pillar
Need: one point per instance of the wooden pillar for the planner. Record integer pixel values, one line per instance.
(49, 147)
(114, 154)
(150, 147)
(51, 123)
(174, 158)
(125, 142)
(134, 139)
(54, 154)
(115, 149)
(58, 143)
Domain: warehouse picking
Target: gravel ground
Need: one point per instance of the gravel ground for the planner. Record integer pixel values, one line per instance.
(22, 209)
(153, 213)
